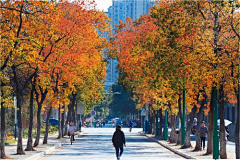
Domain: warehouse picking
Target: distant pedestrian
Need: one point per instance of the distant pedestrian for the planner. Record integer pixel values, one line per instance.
(80, 126)
(227, 133)
(139, 123)
(130, 124)
(203, 134)
(113, 124)
(118, 141)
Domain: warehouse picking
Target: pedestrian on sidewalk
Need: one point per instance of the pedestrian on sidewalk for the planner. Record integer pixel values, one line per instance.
(80, 126)
(130, 124)
(203, 134)
(118, 141)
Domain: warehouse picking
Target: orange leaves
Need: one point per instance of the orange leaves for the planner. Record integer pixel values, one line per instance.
(178, 47)
(61, 41)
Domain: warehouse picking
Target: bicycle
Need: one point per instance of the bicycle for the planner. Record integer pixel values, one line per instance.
(71, 136)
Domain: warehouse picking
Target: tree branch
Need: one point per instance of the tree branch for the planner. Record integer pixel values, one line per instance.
(16, 42)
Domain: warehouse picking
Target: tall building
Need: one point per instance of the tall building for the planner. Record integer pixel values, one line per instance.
(120, 10)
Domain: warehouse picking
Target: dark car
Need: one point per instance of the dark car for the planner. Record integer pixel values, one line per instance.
(53, 122)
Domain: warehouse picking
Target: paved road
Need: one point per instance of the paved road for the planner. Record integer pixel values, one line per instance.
(96, 144)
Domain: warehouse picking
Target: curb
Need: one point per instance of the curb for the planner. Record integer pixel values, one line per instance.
(41, 154)
(49, 150)
(167, 147)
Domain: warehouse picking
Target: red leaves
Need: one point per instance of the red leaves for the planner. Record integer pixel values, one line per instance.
(174, 48)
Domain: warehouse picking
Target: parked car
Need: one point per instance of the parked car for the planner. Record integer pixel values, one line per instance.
(52, 121)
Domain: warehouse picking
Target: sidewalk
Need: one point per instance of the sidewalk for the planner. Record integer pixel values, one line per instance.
(187, 153)
(41, 150)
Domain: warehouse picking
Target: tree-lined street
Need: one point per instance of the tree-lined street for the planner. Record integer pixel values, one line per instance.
(66, 65)
(96, 144)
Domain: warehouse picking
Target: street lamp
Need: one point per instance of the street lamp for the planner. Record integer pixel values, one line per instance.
(183, 119)
(166, 126)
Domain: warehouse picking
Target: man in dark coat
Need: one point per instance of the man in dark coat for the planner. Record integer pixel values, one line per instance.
(118, 141)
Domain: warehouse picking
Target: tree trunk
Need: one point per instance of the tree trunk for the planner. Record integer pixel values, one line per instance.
(59, 123)
(187, 141)
(67, 122)
(19, 117)
(36, 143)
(237, 137)
(19, 96)
(160, 123)
(30, 141)
(153, 124)
(237, 128)
(47, 126)
(71, 108)
(179, 138)
(180, 116)
(43, 97)
(197, 135)
(74, 112)
(151, 121)
(172, 138)
(3, 131)
(210, 128)
(62, 123)
(223, 142)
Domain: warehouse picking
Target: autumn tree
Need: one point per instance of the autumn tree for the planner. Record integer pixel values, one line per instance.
(45, 41)
(183, 45)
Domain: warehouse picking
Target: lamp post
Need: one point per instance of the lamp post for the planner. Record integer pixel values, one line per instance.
(183, 119)
(166, 126)
(215, 130)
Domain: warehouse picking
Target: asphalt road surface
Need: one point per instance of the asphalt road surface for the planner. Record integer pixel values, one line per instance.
(96, 144)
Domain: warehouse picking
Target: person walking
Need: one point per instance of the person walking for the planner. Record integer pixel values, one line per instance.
(227, 133)
(130, 124)
(80, 126)
(118, 141)
(203, 134)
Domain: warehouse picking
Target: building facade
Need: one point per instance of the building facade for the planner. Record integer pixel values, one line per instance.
(119, 11)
